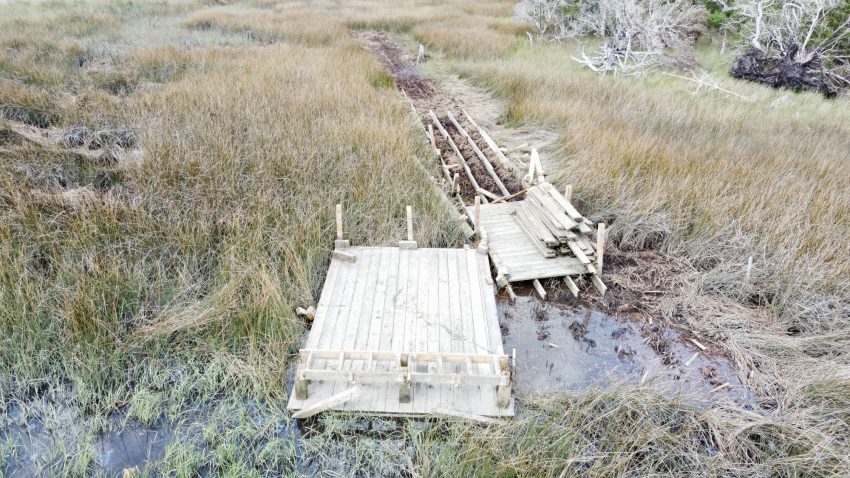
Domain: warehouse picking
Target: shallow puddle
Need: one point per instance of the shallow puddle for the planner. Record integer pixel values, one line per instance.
(132, 446)
(566, 345)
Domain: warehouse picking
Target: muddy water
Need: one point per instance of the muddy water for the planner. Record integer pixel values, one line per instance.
(566, 345)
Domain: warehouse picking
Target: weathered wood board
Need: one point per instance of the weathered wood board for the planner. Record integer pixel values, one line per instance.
(407, 300)
(514, 253)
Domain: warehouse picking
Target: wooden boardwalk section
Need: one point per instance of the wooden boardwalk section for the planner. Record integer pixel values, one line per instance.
(415, 330)
(513, 251)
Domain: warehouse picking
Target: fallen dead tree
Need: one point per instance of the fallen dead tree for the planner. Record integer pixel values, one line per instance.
(794, 44)
(638, 34)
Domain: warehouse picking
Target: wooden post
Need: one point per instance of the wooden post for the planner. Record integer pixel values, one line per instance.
(539, 288)
(510, 291)
(340, 243)
(409, 243)
(421, 56)
(404, 389)
(483, 244)
(535, 158)
(409, 223)
(456, 184)
(431, 136)
(571, 285)
(531, 165)
(328, 403)
(600, 246)
(568, 192)
(339, 221)
(477, 222)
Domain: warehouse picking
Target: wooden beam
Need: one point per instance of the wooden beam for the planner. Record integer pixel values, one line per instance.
(600, 246)
(600, 286)
(409, 223)
(539, 288)
(477, 216)
(487, 193)
(535, 158)
(339, 221)
(487, 139)
(486, 162)
(510, 291)
(505, 198)
(454, 147)
(571, 285)
(328, 403)
(568, 192)
(449, 413)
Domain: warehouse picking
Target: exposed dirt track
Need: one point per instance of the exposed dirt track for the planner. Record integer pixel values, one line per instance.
(627, 303)
(426, 95)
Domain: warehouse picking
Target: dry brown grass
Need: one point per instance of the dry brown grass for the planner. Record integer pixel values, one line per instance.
(174, 288)
(701, 170)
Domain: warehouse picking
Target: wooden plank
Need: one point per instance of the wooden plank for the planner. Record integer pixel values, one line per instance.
(366, 318)
(489, 141)
(538, 287)
(389, 402)
(530, 235)
(451, 413)
(482, 340)
(476, 300)
(600, 246)
(432, 321)
(454, 147)
(531, 207)
(419, 327)
(351, 316)
(487, 165)
(568, 207)
(490, 308)
(552, 209)
(546, 271)
(543, 232)
(571, 285)
(339, 222)
(597, 282)
(327, 295)
(327, 403)
(453, 395)
(323, 332)
(324, 325)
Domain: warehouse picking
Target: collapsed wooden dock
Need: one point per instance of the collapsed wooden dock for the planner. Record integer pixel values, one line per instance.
(405, 331)
(532, 234)
(414, 331)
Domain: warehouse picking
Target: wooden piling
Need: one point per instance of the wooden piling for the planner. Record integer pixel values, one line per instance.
(339, 221)
(409, 223)
(538, 287)
(477, 218)
(600, 246)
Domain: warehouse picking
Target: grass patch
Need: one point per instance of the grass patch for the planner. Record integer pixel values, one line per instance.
(169, 295)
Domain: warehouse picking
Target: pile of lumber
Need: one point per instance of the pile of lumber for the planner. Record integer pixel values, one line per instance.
(557, 229)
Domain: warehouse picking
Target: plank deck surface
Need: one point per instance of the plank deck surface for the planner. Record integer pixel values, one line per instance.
(424, 300)
(514, 253)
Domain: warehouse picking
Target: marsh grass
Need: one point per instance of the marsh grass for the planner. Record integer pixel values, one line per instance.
(169, 295)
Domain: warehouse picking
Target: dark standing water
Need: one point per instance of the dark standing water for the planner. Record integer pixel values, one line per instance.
(568, 346)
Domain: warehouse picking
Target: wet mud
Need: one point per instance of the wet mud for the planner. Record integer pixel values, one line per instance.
(565, 344)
